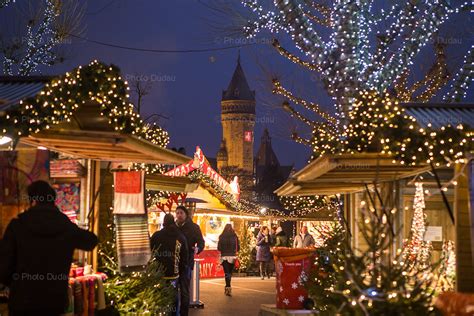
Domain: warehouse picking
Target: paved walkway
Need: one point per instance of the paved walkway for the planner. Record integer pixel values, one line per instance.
(247, 295)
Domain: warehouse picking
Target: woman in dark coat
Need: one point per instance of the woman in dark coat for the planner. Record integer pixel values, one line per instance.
(264, 256)
(229, 246)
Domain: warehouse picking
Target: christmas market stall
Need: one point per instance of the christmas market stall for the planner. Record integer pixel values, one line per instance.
(69, 130)
(213, 201)
(410, 197)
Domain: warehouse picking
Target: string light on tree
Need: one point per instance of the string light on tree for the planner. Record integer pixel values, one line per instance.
(362, 55)
(416, 247)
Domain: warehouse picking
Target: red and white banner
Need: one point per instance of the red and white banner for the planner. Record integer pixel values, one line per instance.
(129, 192)
(199, 162)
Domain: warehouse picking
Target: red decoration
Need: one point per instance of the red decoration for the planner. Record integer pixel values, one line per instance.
(199, 162)
(292, 267)
(210, 266)
(128, 182)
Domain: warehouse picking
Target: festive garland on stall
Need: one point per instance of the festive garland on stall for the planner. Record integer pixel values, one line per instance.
(59, 99)
(225, 197)
(379, 124)
(297, 206)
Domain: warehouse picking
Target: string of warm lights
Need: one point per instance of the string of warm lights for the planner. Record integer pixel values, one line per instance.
(59, 99)
(278, 89)
(378, 123)
(436, 77)
(293, 57)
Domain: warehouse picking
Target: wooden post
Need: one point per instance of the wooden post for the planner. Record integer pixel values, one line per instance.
(464, 228)
(95, 215)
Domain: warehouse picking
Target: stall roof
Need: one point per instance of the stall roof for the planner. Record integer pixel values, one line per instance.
(103, 145)
(441, 114)
(346, 173)
(13, 89)
(160, 182)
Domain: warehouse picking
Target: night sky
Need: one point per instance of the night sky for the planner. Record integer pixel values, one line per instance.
(187, 88)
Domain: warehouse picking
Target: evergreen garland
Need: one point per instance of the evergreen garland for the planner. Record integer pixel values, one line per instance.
(60, 98)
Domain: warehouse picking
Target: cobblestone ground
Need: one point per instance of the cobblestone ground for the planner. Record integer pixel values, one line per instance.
(247, 295)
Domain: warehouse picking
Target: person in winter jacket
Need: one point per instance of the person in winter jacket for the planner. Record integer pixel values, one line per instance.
(303, 239)
(281, 239)
(229, 246)
(264, 256)
(170, 248)
(36, 255)
(195, 241)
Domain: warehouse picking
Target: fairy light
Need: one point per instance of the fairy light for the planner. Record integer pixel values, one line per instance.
(60, 98)
(417, 248)
(348, 65)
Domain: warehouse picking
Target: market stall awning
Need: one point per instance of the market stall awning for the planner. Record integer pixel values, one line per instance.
(160, 182)
(103, 145)
(333, 174)
(89, 135)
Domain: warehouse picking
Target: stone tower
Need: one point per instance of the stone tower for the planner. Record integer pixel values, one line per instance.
(238, 122)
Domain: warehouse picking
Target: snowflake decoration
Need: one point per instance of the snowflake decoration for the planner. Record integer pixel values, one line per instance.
(286, 301)
(294, 285)
(301, 298)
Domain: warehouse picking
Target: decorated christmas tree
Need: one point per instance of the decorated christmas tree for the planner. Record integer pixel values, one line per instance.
(247, 244)
(447, 269)
(416, 248)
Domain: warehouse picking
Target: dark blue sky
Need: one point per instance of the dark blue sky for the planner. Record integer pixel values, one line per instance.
(187, 87)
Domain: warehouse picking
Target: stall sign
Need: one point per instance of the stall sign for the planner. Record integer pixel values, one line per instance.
(210, 266)
(199, 162)
(434, 233)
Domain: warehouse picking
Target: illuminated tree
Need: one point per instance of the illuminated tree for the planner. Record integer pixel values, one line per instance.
(359, 54)
(417, 247)
(49, 25)
(364, 53)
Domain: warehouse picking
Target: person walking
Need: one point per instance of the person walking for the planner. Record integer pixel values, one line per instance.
(304, 239)
(281, 239)
(36, 253)
(195, 241)
(229, 246)
(170, 248)
(263, 251)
